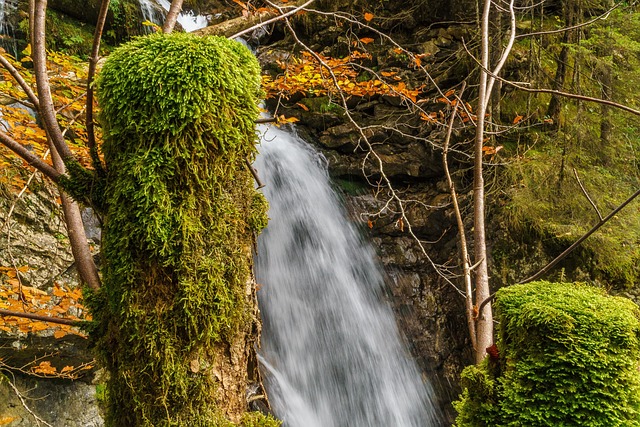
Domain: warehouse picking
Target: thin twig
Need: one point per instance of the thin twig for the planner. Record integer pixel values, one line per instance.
(24, 404)
(269, 21)
(20, 194)
(605, 15)
(570, 249)
(254, 172)
(584, 191)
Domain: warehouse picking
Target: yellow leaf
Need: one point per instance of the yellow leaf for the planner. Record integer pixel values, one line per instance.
(368, 16)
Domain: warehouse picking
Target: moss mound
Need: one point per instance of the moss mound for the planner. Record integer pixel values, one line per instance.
(568, 356)
(178, 113)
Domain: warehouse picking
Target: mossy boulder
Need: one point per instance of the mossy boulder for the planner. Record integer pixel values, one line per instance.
(568, 355)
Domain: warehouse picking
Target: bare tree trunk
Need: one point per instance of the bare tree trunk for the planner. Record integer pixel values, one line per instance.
(59, 150)
(484, 322)
(172, 16)
(85, 265)
(39, 55)
(93, 62)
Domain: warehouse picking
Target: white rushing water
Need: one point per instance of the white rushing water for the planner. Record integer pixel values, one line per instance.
(330, 345)
(152, 13)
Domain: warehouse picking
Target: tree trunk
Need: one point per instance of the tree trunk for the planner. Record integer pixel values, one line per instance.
(484, 322)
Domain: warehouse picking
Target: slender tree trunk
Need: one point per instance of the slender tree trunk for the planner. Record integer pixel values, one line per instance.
(84, 263)
(59, 149)
(484, 323)
(172, 16)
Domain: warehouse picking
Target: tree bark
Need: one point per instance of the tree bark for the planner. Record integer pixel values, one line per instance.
(484, 322)
(172, 16)
(84, 263)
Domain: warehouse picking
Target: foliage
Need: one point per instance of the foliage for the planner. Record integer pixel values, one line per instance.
(305, 75)
(178, 113)
(568, 356)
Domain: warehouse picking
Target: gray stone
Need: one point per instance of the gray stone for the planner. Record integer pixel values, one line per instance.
(60, 403)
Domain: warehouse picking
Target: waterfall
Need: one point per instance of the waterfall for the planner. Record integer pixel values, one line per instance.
(155, 11)
(150, 13)
(7, 30)
(330, 345)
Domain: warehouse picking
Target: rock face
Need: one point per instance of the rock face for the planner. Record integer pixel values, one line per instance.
(60, 403)
(33, 240)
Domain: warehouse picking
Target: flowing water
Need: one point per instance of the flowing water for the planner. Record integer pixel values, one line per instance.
(330, 345)
(152, 13)
(7, 30)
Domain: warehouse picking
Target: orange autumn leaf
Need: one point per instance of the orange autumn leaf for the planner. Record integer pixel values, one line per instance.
(368, 16)
(366, 40)
(450, 92)
(67, 369)
(517, 119)
(301, 105)
(44, 368)
(59, 334)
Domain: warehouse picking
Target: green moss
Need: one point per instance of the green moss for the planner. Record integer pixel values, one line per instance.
(257, 419)
(67, 35)
(569, 356)
(178, 113)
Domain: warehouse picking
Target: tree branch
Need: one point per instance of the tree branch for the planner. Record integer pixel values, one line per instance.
(29, 157)
(23, 84)
(39, 56)
(464, 253)
(41, 318)
(584, 191)
(93, 63)
(571, 248)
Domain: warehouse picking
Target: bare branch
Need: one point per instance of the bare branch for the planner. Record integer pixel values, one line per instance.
(39, 56)
(23, 84)
(464, 254)
(41, 318)
(605, 15)
(555, 92)
(505, 53)
(29, 157)
(85, 265)
(394, 195)
(93, 63)
(24, 405)
(544, 270)
(269, 21)
(584, 191)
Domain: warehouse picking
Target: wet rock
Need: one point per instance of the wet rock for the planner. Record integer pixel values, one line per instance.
(61, 403)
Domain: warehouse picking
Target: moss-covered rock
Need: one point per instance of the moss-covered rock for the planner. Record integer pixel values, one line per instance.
(568, 355)
(176, 316)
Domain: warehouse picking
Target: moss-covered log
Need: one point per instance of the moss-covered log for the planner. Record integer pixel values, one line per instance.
(176, 318)
(566, 355)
